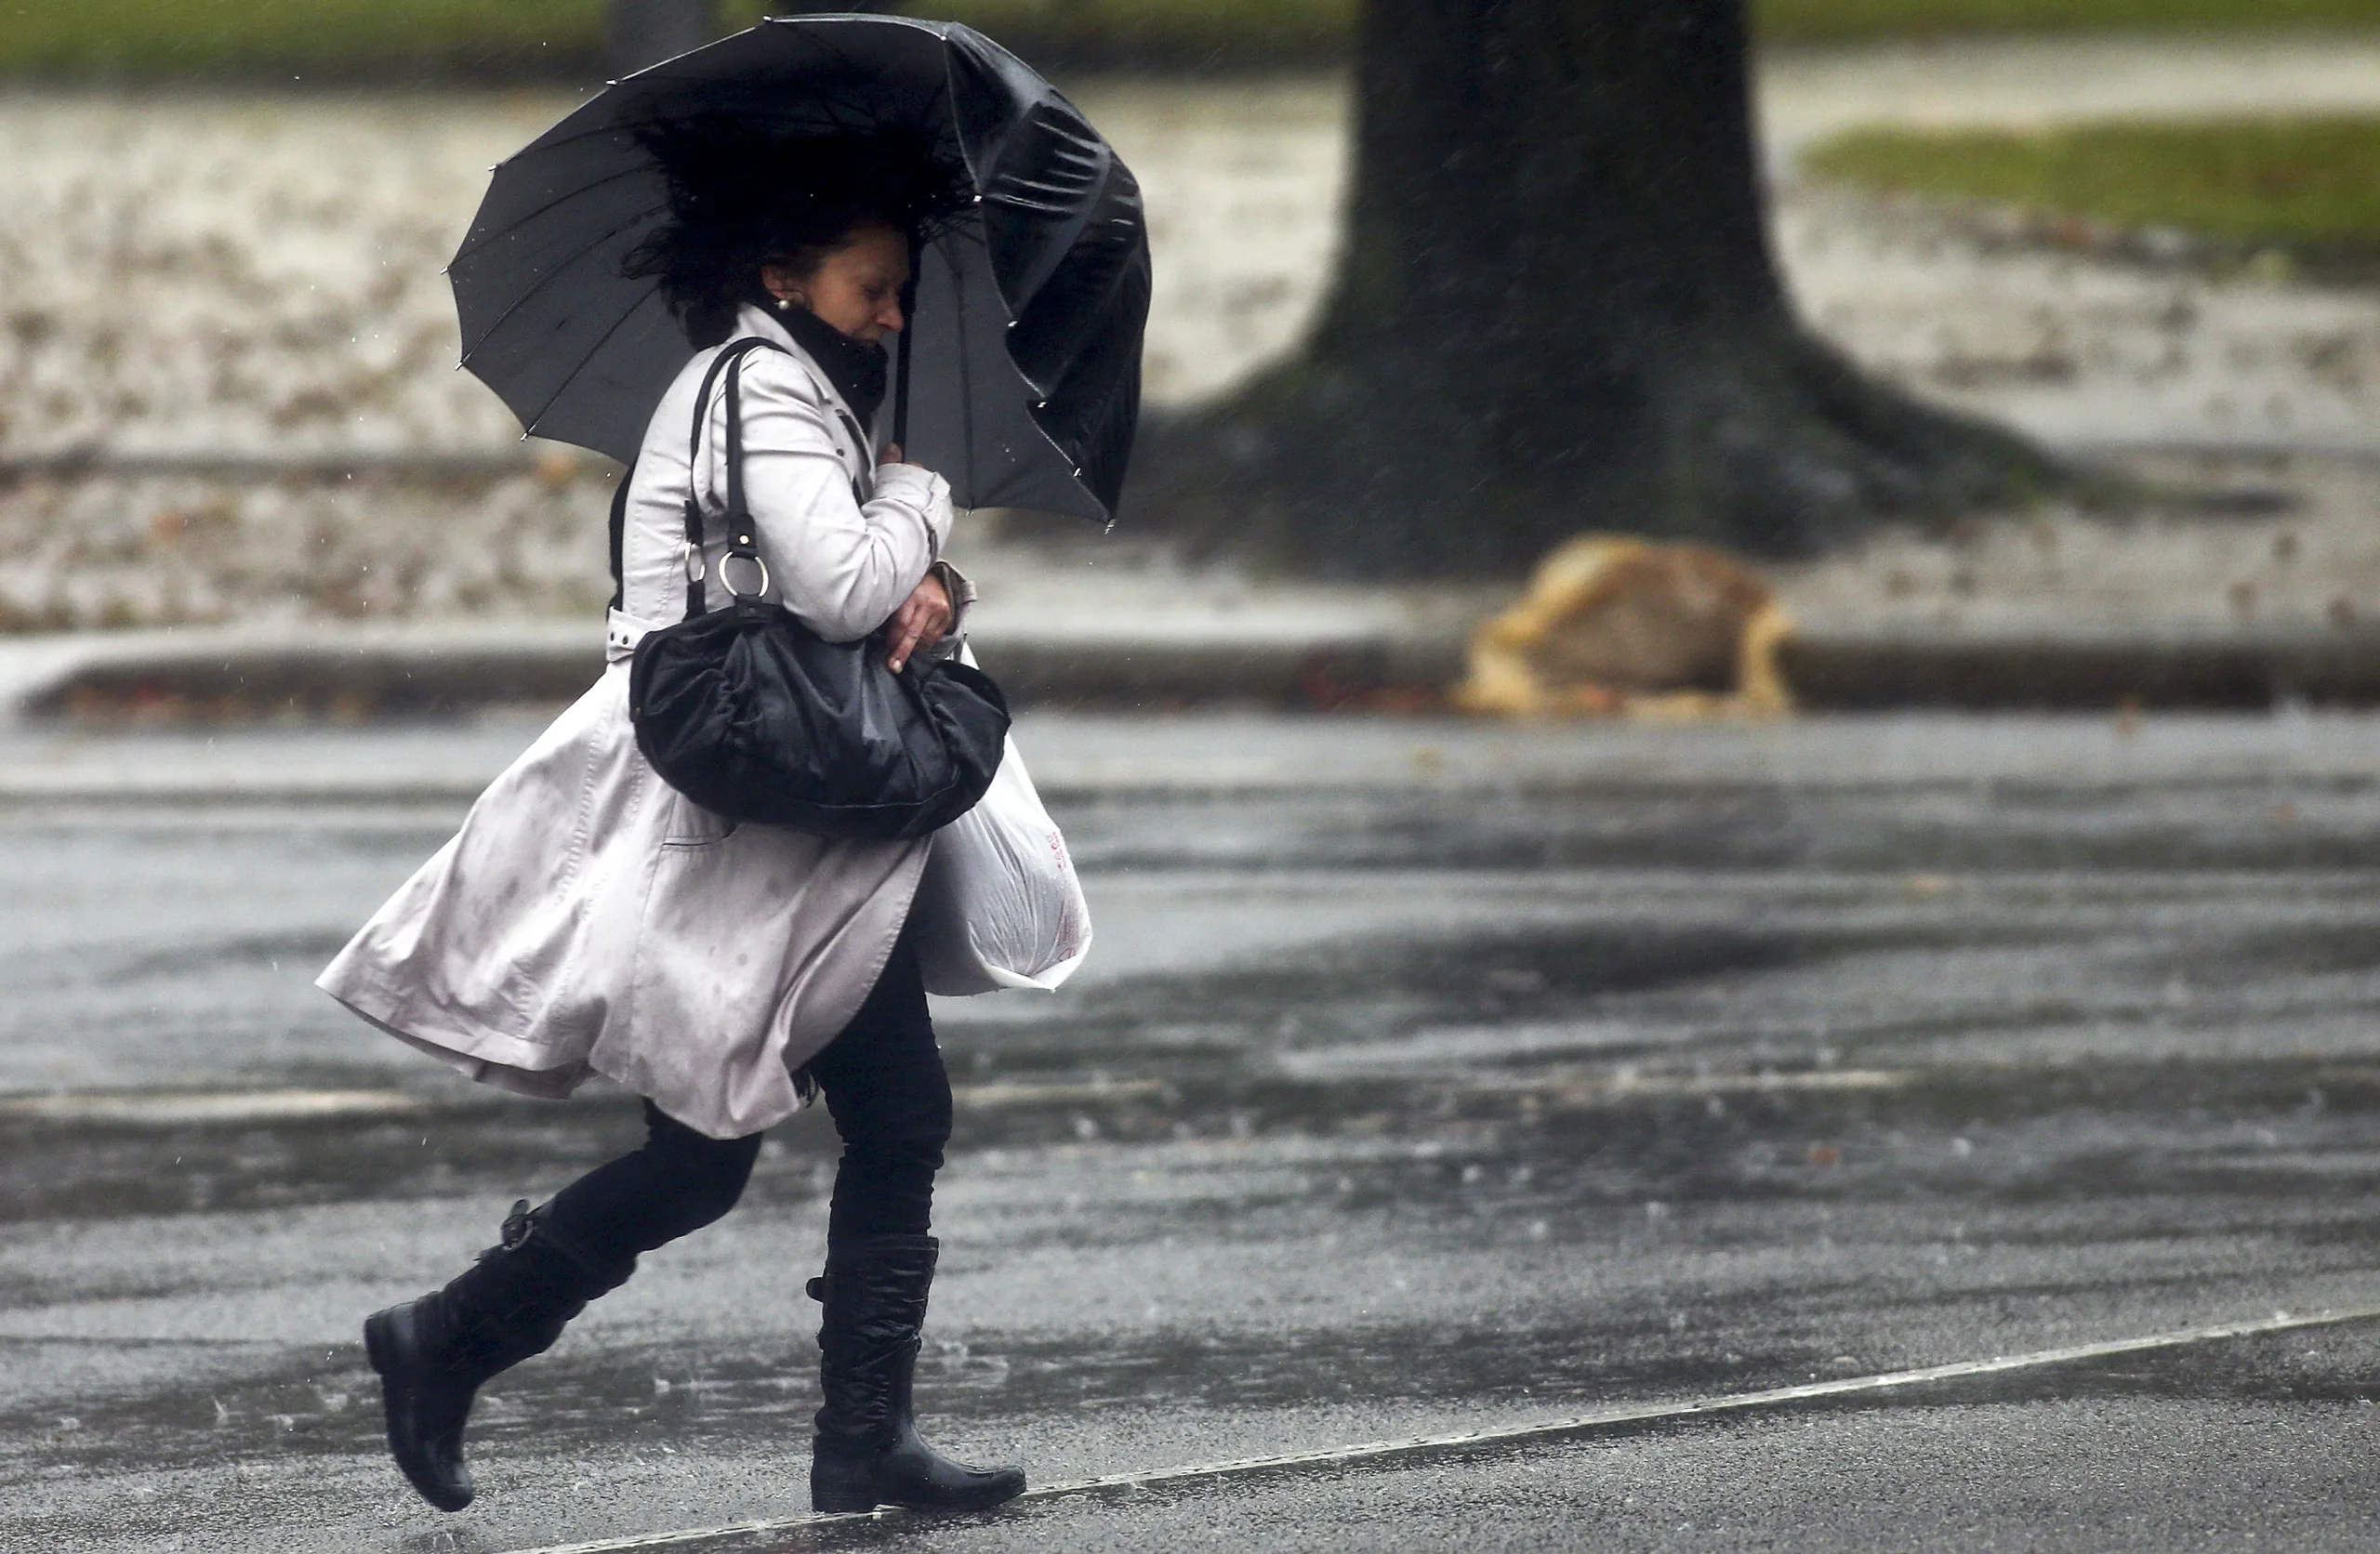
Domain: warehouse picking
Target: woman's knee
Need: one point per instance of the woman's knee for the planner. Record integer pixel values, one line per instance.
(709, 1188)
(909, 1155)
(894, 1121)
(707, 1174)
(902, 1110)
(926, 1120)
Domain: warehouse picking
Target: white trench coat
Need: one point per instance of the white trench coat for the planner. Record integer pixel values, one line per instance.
(587, 919)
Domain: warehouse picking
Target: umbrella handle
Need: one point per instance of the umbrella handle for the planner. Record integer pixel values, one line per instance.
(908, 330)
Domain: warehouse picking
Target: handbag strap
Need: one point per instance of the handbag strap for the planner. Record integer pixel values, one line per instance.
(619, 534)
(739, 521)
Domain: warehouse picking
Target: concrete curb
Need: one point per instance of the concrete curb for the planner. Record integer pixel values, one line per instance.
(409, 670)
(436, 669)
(2083, 671)
(1153, 663)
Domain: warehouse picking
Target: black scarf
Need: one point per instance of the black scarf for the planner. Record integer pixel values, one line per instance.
(856, 368)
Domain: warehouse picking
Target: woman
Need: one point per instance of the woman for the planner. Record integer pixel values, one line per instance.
(589, 919)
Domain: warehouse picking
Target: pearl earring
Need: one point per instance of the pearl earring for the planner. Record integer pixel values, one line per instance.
(785, 304)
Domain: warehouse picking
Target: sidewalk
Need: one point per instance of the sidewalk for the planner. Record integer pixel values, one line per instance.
(2272, 600)
(1318, 652)
(1149, 643)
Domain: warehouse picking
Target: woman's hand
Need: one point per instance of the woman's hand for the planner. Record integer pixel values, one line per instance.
(921, 622)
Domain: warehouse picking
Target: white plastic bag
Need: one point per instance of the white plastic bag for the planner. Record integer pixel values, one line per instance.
(1000, 905)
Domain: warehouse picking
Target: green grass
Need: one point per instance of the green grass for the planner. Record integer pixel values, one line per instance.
(362, 38)
(205, 37)
(1305, 22)
(2312, 184)
(1181, 29)
(1829, 21)
(1239, 25)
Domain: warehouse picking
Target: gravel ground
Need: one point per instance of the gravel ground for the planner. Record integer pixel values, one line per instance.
(2309, 564)
(244, 275)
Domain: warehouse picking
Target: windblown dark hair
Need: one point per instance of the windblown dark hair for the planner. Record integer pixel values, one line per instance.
(742, 195)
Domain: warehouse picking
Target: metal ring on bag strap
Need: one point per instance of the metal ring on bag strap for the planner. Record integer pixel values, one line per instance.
(728, 360)
(742, 544)
(731, 558)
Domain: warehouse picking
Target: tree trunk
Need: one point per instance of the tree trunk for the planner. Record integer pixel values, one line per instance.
(1558, 312)
(643, 33)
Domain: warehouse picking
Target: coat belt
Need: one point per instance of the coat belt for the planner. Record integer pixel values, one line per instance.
(622, 634)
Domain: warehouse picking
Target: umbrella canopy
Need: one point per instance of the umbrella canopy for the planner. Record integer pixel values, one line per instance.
(1023, 355)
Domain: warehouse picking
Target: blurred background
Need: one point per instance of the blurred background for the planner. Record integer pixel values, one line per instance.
(2139, 233)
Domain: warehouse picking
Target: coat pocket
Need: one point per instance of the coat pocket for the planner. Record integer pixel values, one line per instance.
(692, 828)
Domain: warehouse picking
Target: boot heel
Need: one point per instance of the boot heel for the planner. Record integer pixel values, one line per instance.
(839, 1487)
(841, 1501)
(377, 1341)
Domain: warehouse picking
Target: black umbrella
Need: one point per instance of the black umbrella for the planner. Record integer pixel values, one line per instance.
(1020, 367)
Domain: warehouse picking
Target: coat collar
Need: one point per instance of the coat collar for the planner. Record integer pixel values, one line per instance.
(751, 320)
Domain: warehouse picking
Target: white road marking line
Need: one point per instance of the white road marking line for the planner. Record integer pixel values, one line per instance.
(175, 1108)
(1551, 1429)
(991, 1096)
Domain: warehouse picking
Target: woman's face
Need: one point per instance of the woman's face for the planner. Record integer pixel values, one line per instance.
(857, 288)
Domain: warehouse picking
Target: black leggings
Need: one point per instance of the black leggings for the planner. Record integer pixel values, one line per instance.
(888, 1093)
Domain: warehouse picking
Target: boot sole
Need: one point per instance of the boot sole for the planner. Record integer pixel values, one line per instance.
(998, 1492)
(841, 1504)
(382, 1346)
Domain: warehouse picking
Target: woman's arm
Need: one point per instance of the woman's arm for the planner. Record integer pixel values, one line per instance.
(843, 566)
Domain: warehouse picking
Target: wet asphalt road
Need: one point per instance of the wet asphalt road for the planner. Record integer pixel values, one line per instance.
(1376, 1113)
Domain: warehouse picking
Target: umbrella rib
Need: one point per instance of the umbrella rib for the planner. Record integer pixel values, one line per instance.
(553, 140)
(651, 86)
(839, 55)
(543, 281)
(1103, 410)
(614, 126)
(950, 95)
(529, 426)
(473, 242)
(611, 124)
(966, 377)
(817, 45)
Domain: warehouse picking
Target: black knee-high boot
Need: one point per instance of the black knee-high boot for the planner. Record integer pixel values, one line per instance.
(867, 1453)
(434, 1353)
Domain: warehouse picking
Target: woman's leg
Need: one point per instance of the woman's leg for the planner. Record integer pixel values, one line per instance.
(434, 1353)
(890, 1096)
(680, 1181)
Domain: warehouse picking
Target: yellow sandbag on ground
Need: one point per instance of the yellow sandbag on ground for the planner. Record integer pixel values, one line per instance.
(1612, 624)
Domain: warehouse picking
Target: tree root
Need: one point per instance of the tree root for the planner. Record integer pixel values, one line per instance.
(1372, 468)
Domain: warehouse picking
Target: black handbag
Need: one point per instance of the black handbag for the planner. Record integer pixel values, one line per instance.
(756, 717)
